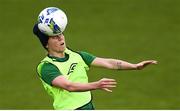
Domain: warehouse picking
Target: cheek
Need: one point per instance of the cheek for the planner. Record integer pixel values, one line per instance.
(54, 44)
(51, 43)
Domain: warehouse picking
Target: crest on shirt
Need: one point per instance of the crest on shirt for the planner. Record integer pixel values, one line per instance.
(71, 68)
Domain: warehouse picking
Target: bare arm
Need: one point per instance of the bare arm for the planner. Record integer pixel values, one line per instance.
(120, 64)
(104, 84)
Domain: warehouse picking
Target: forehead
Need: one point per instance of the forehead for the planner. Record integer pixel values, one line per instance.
(57, 38)
(60, 35)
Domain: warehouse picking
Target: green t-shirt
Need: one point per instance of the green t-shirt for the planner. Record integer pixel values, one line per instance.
(49, 71)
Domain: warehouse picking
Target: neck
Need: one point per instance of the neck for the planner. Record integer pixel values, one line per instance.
(55, 54)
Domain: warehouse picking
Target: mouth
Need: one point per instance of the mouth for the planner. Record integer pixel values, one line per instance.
(62, 44)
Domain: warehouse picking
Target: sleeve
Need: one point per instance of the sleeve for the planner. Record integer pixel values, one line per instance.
(87, 57)
(49, 72)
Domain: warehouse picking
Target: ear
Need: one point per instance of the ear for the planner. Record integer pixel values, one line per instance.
(47, 46)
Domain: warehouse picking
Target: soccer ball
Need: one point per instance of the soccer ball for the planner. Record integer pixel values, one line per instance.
(52, 21)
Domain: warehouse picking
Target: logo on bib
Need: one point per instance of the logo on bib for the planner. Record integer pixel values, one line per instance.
(71, 69)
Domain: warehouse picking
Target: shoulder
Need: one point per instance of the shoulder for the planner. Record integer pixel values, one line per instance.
(45, 67)
(87, 57)
(48, 72)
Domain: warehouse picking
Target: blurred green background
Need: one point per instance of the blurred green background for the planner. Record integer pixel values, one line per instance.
(131, 30)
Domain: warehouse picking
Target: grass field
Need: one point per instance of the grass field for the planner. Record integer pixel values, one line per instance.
(131, 30)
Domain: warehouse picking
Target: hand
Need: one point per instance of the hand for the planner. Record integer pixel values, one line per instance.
(106, 84)
(143, 64)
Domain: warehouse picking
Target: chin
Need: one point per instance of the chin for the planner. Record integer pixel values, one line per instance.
(62, 50)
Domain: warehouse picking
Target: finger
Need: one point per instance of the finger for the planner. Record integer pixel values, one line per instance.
(154, 62)
(109, 86)
(109, 83)
(106, 89)
(108, 80)
(151, 61)
(148, 62)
